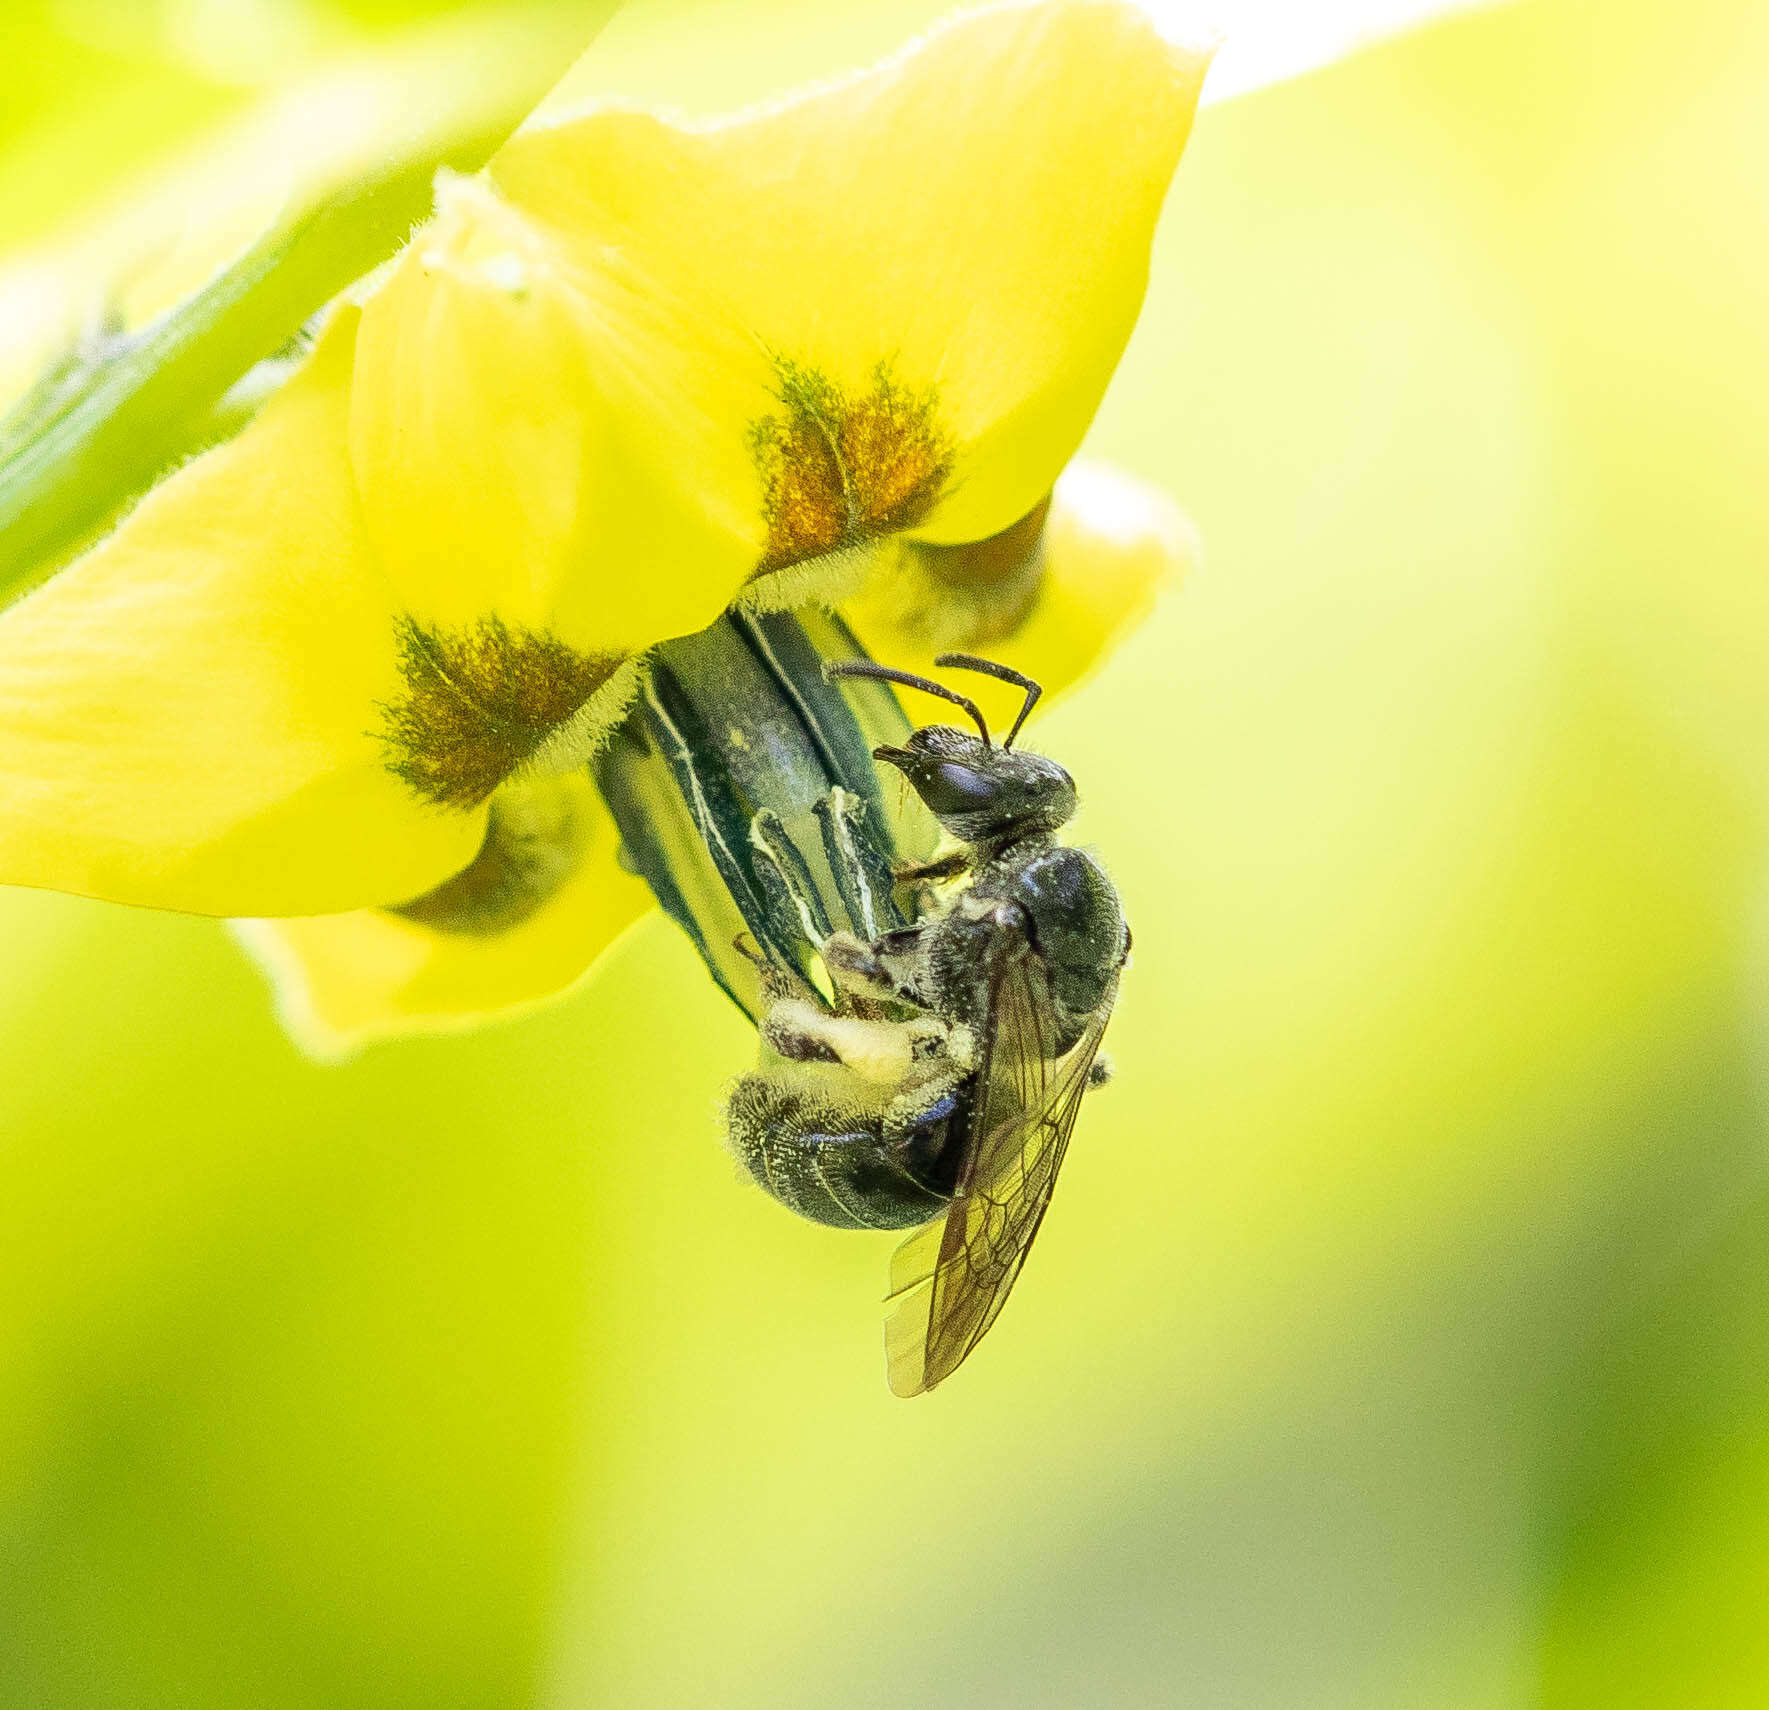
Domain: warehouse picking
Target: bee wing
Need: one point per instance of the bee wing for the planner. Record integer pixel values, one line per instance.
(951, 1278)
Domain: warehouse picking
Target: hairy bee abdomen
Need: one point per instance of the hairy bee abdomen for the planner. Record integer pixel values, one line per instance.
(844, 1169)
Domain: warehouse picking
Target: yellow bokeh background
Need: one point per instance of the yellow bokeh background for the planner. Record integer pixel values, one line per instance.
(1400, 1333)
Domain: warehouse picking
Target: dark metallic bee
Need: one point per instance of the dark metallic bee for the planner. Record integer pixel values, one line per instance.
(928, 1024)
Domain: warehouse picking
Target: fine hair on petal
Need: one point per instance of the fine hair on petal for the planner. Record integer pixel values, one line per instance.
(839, 468)
(480, 702)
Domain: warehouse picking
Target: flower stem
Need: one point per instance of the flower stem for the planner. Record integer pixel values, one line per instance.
(113, 418)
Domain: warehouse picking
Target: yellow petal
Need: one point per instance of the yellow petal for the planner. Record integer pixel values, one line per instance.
(903, 294)
(1111, 545)
(345, 980)
(1108, 546)
(186, 712)
(520, 448)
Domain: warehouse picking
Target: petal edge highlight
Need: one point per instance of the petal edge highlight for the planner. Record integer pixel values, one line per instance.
(344, 981)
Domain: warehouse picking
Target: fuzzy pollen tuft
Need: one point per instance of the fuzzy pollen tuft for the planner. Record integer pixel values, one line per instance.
(483, 701)
(838, 470)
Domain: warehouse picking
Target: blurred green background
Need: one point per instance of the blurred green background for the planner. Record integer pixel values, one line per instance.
(1400, 1335)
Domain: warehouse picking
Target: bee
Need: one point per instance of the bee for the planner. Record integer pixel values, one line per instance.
(936, 1088)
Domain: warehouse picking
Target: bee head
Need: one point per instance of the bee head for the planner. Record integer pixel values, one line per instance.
(980, 793)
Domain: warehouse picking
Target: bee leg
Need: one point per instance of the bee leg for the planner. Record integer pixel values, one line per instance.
(796, 1038)
(876, 1053)
(854, 967)
(890, 968)
(949, 866)
(1100, 1072)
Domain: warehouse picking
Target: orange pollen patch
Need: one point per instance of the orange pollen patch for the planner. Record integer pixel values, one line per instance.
(838, 469)
(479, 702)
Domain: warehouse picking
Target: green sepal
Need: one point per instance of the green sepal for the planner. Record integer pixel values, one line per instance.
(724, 781)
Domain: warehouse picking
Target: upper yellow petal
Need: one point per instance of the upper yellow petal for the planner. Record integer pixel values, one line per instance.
(346, 980)
(521, 446)
(186, 713)
(892, 304)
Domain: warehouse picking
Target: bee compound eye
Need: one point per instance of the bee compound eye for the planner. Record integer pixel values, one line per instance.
(952, 787)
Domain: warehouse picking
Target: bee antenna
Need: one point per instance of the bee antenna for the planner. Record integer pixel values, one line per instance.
(908, 680)
(1002, 673)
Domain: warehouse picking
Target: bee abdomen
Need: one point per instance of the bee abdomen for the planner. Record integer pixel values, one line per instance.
(831, 1166)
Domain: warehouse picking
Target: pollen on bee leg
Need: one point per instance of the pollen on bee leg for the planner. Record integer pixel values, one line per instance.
(485, 701)
(882, 1053)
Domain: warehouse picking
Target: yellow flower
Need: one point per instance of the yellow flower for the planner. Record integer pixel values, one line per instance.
(348, 669)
